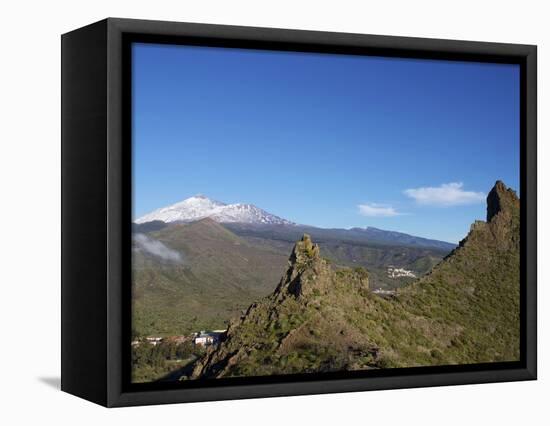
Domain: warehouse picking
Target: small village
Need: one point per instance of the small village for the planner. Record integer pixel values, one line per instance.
(201, 339)
(400, 272)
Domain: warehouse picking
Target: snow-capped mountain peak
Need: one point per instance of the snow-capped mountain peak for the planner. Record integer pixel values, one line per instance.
(200, 207)
(197, 202)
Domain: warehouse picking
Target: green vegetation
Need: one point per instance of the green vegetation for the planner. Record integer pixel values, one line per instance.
(324, 318)
(152, 363)
(222, 273)
(351, 250)
(219, 276)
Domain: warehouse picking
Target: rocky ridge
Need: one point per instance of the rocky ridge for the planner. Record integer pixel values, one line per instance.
(321, 318)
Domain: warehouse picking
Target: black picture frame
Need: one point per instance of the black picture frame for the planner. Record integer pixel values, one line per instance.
(96, 210)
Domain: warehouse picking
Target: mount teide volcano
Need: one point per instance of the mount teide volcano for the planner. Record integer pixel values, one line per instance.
(251, 221)
(200, 207)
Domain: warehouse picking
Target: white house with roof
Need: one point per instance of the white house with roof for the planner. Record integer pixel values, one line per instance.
(208, 338)
(204, 340)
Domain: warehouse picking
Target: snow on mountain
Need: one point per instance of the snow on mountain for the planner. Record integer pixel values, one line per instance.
(199, 207)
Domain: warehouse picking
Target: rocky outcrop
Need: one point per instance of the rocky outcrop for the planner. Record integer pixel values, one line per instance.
(501, 199)
(308, 273)
(303, 263)
(291, 317)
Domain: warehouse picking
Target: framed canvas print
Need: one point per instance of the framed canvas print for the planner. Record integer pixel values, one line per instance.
(253, 212)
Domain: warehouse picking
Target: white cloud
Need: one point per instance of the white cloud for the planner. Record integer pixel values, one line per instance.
(156, 248)
(445, 195)
(377, 210)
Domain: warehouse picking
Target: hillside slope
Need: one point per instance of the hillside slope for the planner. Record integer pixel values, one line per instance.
(375, 251)
(196, 275)
(216, 275)
(320, 319)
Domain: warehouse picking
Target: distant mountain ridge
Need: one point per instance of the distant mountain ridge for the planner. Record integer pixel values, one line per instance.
(371, 236)
(376, 234)
(248, 219)
(200, 207)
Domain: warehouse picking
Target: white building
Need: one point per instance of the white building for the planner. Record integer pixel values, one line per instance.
(208, 338)
(154, 340)
(400, 272)
(204, 340)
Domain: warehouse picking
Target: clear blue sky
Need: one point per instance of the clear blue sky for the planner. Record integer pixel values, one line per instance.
(325, 140)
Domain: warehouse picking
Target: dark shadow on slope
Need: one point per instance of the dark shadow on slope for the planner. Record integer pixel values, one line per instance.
(175, 375)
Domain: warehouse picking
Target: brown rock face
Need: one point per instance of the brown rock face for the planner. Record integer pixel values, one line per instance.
(303, 264)
(501, 198)
(309, 273)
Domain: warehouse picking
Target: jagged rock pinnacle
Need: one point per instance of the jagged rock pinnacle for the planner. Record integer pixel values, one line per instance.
(308, 273)
(500, 198)
(304, 261)
(304, 251)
